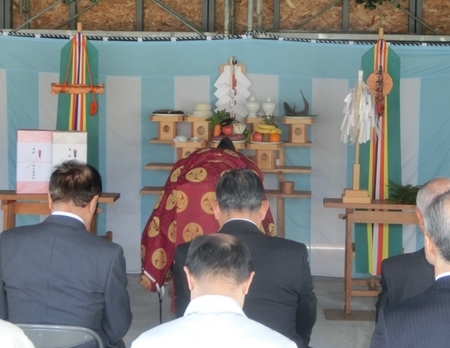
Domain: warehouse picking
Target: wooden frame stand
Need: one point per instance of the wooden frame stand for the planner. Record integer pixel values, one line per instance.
(298, 129)
(356, 195)
(265, 155)
(167, 126)
(199, 127)
(376, 212)
(184, 149)
(13, 204)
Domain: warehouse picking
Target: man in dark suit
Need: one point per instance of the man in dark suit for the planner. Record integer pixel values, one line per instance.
(56, 272)
(423, 320)
(406, 275)
(281, 295)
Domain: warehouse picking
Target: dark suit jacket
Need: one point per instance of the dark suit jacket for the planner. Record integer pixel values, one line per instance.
(281, 295)
(404, 276)
(420, 321)
(56, 272)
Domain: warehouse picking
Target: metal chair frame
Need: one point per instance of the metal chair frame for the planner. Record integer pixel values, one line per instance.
(39, 334)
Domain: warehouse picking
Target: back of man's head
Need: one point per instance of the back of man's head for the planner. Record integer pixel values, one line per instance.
(240, 190)
(429, 191)
(437, 224)
(75, 182)
(219, 257)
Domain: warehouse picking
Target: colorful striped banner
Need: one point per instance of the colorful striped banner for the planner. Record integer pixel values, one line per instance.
(380, 163)
(79, 63)
(78, 112)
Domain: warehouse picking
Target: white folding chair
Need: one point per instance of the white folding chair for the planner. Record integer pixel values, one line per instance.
(59, 336)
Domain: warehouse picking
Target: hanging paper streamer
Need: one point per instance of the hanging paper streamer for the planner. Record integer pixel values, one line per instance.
(77, 91)
(381, 158)
(359, 114)
(232, 89)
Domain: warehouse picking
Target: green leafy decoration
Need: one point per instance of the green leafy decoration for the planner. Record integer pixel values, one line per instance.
(217, 117)
(270, 119)
(403, 194)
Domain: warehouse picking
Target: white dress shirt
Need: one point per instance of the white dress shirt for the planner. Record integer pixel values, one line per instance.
(11, 336)
(212, 321)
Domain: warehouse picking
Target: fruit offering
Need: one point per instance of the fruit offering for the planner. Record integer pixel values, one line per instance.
(225, 126)
(267, 130)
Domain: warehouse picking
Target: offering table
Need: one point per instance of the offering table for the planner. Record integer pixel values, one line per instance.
(37, 204)
(378, 212)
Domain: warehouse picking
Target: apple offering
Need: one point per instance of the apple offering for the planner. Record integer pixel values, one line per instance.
(233, 129)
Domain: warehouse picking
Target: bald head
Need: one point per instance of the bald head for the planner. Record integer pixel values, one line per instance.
(427, 194)
(430, 190)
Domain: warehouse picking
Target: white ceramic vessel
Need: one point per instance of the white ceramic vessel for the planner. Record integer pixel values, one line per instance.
(252, 106)
(269, 106)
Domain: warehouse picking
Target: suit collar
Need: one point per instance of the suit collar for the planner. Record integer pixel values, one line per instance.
(238, 226)
(442, 283)
(65, 213)
(65, 220)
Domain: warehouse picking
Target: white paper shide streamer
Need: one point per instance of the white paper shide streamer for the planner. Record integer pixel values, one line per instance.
(232, 90)
(359, 113)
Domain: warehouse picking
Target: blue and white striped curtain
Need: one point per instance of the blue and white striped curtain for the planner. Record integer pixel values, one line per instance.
(140, 77)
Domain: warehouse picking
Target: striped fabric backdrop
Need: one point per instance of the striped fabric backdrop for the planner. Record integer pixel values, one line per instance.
(140, 77)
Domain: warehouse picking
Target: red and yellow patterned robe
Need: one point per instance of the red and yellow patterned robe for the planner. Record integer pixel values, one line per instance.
(183, 209)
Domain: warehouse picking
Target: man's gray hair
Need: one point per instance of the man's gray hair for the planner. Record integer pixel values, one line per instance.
(437, 224)
(219, 256)
(429, 191)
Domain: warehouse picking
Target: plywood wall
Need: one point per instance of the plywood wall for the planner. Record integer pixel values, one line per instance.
(120, 15)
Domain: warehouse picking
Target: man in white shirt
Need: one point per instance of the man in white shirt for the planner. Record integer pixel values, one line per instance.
(12, 336)
(219, 273)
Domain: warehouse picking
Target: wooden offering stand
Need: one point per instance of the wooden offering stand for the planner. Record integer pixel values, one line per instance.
(167, 126)
(199, 127)
(298, 131)
(185, 148)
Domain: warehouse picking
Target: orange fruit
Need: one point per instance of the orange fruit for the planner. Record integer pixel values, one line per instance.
(274, 138)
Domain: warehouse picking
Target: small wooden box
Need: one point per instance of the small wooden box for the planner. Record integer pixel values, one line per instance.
(298, 128)
(167, 126)
(265, 154)
(199, 127)
(265, 159)
(298, 133)
(184, 149)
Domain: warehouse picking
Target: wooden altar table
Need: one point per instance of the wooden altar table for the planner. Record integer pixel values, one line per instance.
(378, 211)
(37, 204)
